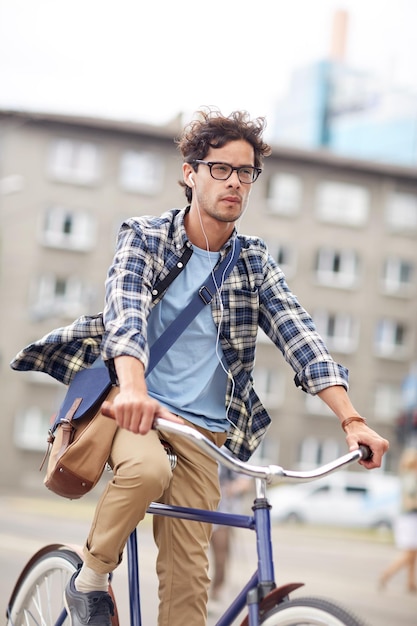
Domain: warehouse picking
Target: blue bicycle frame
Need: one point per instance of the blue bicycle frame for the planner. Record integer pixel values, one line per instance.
(261, 588)
(263, 580)
(260, 595)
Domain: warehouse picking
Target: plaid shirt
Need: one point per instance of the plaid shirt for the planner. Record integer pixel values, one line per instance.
(255, 294)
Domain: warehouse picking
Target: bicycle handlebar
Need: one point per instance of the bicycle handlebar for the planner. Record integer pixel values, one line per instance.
(266, 472)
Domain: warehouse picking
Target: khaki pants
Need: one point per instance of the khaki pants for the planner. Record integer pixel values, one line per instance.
(142, 474)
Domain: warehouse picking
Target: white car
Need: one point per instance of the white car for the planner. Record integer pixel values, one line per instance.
(366, 499)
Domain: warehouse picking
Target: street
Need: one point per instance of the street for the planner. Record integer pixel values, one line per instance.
(340, 565)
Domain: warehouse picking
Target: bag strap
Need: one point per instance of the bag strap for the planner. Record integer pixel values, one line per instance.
(203, 297)
(67, 431)
(163, 284)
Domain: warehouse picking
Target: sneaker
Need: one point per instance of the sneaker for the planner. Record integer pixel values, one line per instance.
(93, 608)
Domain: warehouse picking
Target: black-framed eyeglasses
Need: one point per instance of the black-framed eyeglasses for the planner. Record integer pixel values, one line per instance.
(247, 174)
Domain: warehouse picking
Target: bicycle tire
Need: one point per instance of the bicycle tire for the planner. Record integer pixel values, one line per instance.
(310, 611)
(38, 598)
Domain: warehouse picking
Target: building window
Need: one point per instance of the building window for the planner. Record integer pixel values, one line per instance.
(314, 452)
(397, 276)
(337, 268)
(285, 256)
(339, 330)
(270, 386)
(342, 203)
(391, 339)
(141, 172)
(30, 429)
(70, 230)
(284, 194)
(387, 402)
(59, 296)
(74, 161)
(401, 213)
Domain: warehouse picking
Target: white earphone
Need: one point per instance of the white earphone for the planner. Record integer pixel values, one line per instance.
(192, 180)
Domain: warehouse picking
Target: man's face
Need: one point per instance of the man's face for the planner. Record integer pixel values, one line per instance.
(222, 200)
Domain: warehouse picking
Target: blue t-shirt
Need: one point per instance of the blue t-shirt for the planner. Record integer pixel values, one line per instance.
(189, 379)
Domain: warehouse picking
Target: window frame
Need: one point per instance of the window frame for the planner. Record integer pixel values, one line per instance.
(391, 338)
(326, 263)
(141, 172)
(284, 194)
(75, 161)
(343, 203)
(344, 337)
(82, 231)
(401, 213)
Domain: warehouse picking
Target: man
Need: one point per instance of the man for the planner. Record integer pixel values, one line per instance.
(205, 377)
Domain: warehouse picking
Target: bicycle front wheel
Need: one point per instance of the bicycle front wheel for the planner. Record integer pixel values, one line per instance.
(38, 597)
(310, 612)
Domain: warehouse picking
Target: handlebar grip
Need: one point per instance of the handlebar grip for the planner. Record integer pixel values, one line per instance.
(366, 452)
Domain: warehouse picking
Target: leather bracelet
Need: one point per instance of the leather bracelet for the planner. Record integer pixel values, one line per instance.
(349, 420)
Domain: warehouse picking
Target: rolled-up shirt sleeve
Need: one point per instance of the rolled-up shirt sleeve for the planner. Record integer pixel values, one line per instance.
(292, 330)
(128, 298)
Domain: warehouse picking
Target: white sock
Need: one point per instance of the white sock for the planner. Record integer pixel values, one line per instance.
(89, 580)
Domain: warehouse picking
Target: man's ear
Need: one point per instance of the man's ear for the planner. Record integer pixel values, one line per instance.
(187, 173)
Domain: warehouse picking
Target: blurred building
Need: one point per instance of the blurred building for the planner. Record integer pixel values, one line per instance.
(407, 418)
(343, 230)
(346, 110)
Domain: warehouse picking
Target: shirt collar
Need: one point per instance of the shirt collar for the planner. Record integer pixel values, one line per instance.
(180, 237)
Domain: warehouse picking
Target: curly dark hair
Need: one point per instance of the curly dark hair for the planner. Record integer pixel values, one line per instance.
(211, 129)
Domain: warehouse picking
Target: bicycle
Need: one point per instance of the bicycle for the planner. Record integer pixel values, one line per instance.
(37, 598)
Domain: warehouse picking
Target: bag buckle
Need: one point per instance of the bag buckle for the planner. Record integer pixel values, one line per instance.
(205, 294)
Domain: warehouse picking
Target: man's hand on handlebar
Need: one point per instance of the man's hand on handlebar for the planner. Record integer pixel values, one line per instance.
(137, 411)
(358, 433)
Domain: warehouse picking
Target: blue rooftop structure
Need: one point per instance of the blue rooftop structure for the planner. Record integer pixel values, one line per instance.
(350, 112)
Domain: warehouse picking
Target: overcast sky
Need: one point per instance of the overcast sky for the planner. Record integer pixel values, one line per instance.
(148, 61)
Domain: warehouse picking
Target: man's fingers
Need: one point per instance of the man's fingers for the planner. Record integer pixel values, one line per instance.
(172, 417)
(145, 421)
(107, 409)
